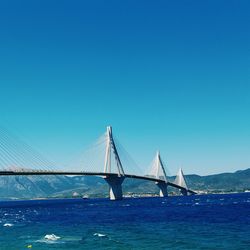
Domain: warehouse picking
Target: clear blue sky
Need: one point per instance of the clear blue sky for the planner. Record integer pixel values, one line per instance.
(168, 75)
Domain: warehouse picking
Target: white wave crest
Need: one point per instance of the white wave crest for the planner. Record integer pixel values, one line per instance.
(100, 235)
(8, 225)
(51, 237)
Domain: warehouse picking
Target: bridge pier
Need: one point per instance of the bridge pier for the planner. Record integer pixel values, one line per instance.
(115, 187)
(184, 192)
(163, 186)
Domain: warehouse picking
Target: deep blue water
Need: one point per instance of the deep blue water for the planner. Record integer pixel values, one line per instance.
(192, 222)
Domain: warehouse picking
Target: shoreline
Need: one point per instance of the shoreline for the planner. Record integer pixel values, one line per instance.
(107, 198)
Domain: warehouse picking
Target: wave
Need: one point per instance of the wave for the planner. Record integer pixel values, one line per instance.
(100, 235)
(49, 239)
(8, 225)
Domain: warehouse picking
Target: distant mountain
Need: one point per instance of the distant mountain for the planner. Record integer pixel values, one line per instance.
(32, 186)
(238, 181)
(27, 187)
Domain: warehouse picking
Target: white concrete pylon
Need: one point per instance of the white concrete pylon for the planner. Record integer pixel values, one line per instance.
(107, 162)
(158, 171)
(160, 167)
(111, 150)
(157, 168)
(180, 179)
(114, 181)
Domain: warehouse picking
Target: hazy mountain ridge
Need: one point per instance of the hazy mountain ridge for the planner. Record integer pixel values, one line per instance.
(237, 181)
(65, 186)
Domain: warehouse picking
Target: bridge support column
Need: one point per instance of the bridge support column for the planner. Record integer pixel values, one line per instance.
(163, 186)
(184, 192)
(115, 187)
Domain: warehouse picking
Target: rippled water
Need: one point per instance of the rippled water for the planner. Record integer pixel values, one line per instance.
(193, 222)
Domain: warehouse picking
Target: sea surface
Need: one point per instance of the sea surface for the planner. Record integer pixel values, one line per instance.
(192, 222)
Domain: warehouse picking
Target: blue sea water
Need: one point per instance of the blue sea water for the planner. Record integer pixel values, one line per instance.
(192, 222)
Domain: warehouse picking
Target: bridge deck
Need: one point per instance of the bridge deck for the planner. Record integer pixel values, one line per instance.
(148, 178)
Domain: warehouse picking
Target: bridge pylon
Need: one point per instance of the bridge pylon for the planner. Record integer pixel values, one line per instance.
(158, 171)
(181, 181)
(116, 179)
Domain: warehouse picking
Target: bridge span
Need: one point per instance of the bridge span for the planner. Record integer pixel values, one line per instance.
(113, 176)
(113, 172)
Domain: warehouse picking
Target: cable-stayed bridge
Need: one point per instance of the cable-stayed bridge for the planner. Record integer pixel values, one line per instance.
(105, 158)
